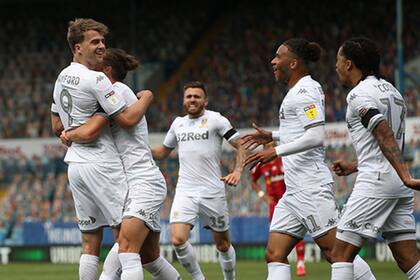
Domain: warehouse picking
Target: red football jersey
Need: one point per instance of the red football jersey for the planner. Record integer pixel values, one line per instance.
(273, 175)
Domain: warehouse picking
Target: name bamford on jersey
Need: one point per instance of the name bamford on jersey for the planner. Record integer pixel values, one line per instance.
(191, 136)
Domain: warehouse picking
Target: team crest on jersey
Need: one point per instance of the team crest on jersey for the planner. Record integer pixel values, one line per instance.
(311, 111)
(204, 123)
(112, 98)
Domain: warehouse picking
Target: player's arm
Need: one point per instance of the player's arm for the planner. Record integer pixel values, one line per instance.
(56, 124)
(389, 147)
(312, 138)
(161, 152)
(259, 137)
(133, 114)
(87, 132)
(232, 136)
(344, 168)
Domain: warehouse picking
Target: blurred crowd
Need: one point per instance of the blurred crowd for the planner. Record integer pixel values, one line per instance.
(237, 42)
(38, 189)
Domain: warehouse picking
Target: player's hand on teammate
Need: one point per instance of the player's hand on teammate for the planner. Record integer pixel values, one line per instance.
(343, 168)
(413, 183)
(64, 139)
(260, 137)
(145, 94)
(232, 179)
(262, 157)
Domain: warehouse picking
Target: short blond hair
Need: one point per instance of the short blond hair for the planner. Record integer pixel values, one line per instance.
(77, 28)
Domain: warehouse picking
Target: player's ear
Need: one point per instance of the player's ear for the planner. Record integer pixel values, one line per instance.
(348, 64)
(77, 48)
(293, 64)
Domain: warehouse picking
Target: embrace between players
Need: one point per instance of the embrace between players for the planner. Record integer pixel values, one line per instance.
(115, 181)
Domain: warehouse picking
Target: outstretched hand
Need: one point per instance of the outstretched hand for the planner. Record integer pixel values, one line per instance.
(262, 157)
(252, 140)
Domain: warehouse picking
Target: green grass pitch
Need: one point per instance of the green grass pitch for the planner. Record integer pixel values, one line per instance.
(246, 270)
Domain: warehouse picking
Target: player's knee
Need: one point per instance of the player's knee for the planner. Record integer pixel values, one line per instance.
(273, 255)
(223, 245)
(178, 240)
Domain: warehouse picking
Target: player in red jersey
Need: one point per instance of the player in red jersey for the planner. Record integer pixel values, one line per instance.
(275, 188)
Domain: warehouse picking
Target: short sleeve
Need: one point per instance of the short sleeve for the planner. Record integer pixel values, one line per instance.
(170, 140)
(365, 108)
(310, 107)
(225, 129)
(54, 109)
(110, 99)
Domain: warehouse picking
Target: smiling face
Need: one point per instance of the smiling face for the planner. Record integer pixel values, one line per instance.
(91, 50)
(195, 101)
(282, 63)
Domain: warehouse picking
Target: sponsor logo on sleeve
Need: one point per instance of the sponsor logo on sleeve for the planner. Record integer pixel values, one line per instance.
(311, 111)
(112, 98)
(363, 111)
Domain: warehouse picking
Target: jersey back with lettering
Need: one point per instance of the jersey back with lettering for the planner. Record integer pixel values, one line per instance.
(78, 94)
(376, 177)
(199, 142)
(133, 144)
(303, 108)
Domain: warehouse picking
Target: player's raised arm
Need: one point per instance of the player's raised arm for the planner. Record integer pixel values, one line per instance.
(133, 114)
(87, 132)
(389, 147)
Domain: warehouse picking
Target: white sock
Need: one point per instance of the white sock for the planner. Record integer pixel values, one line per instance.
(88, 267)
(186, 256)
(362, 270)
(112, 265)
(161, 269)
(414, 272)
(227, 261)
(131, 266)
(342, 271)
(277, 270)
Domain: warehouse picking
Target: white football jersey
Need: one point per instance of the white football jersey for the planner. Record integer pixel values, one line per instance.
(303, 108)
(77, 92)
(199, 143)
(133, 144)
(373, 93)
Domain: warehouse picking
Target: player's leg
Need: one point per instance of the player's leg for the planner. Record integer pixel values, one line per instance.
(183, 215)
(133, 232)
(278, 248)
(400, 232)
(300, 254)
(112, 266)
(227, 255)
(89, 260)
(153, 262)
(215, 216)
(90, 219)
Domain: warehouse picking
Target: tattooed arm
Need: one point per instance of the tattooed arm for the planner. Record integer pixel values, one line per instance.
(389, 147)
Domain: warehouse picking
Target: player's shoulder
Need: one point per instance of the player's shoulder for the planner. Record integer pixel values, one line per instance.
(122, 88)
(307, 86)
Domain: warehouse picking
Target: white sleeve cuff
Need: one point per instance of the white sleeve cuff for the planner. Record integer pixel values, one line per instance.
(275, 135)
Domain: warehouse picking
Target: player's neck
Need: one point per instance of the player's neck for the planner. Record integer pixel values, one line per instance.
(83, 62)
(196, 116)
(294, 78)
(355, 78)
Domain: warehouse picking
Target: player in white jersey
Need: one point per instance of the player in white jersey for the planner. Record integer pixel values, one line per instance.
(147, 187)
(380, 201)
(200, 191)
(308, 204)
(96, 174)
